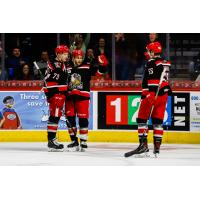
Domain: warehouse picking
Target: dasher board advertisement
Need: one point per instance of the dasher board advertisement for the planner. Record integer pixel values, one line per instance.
(121, 111)
(30, 111)
(195, 111)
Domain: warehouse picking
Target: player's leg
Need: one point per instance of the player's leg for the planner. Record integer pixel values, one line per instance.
(71, 124)
(157, 121)
(82, 107)
(56, 104)
(143, 114)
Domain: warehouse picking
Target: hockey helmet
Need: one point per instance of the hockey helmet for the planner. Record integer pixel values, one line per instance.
(77, 52)
(61, 49)
(155, 47)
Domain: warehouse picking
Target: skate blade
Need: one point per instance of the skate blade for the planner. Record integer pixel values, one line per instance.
(142, 155)
(72, 149)
(55, 150)
(82, 150)
(156, 155)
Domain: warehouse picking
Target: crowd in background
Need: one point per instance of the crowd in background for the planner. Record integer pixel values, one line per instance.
(21, 61)
(24, 51)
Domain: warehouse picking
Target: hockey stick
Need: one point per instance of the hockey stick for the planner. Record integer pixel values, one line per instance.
(37, 67)
(130, 153)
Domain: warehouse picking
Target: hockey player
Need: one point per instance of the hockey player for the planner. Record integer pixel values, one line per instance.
(56, 90)
(77, 103)
(155, 90)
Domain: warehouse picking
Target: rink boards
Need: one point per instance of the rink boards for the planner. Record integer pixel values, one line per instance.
(99, 136)
(112, 117)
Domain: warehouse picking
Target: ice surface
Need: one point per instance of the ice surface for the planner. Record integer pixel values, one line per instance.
(98, 154)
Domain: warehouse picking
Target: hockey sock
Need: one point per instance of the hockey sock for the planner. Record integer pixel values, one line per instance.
(72, 130)
(143, 133)
(83, 123)
(157, 135)
(52, 127)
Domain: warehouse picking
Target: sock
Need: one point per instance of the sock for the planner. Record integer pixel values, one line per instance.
(143, 133)
(52, 127)
(157, 135)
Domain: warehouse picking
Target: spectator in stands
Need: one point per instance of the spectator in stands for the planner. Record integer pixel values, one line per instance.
(42, 65)
(77, 42)
(102, 49)
(197, 63)
(194, 68)
(153, 37)
(3, 74)
(90, 56)
(25, 73)
(121, 57)
(14, 62)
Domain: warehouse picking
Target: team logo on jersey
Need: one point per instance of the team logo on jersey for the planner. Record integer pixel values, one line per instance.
(11, 117)
(75, 82)
(57, 65)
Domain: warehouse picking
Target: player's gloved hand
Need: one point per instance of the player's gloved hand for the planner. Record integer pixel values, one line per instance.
(151, 97)
(102, 60)
(58, 100)
(147, 56)
(144, 94)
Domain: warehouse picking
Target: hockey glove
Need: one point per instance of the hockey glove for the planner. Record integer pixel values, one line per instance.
(151, 97)
(144, 94)
(102, 60)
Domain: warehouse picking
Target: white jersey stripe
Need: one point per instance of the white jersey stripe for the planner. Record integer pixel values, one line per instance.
(157, 135)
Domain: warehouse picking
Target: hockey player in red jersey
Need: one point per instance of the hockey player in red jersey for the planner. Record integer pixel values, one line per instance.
(77, 103)
(155, 91)
(56, 90)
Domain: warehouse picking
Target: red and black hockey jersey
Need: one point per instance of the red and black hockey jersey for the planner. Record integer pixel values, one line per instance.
(55, 80)
(79, 78)
(155, 69)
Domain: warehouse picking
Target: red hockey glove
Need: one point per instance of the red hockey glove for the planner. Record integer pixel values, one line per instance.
(58, 100)
(102, 60)
(144, 94)
(151, 97)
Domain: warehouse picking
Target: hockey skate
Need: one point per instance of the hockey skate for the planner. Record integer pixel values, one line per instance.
(156, 150)
(157, 143)
(73, 146)
(54, 146)
(83, 145)
(141, 151)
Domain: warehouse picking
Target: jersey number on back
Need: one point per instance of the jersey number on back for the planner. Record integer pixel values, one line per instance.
(150, 70)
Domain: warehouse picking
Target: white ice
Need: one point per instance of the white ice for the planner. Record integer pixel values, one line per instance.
(98, 154)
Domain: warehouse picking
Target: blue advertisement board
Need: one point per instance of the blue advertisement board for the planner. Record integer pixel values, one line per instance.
(32, 109)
